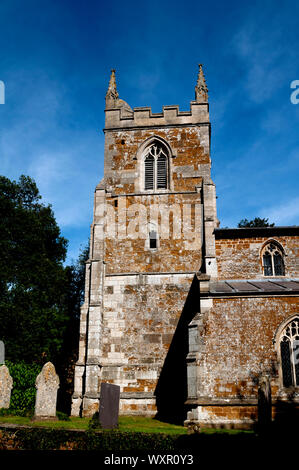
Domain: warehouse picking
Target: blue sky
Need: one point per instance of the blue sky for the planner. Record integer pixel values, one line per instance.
(55, 61)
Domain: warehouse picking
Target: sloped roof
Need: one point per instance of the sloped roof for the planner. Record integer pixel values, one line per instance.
(269, 286)
(247, 232)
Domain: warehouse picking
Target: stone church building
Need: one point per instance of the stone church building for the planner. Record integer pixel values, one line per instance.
(186, 317)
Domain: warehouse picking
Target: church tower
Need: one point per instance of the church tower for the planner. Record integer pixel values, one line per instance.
(152, 240)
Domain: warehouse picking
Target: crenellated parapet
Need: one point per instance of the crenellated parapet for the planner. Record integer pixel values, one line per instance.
(121, 117)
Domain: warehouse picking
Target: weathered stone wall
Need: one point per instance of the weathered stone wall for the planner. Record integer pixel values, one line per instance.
(140, 316)
(237, 348)
(189, 162)
(239, 342)
(172, 254)
(188, 165)
(239, 258)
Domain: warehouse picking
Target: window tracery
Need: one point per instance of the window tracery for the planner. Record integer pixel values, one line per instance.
(272, 260)
(289, 353)
(155, 168)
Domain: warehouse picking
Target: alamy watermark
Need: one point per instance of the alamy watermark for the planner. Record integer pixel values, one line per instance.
(161, 221)
(2, 92)
(295, 94)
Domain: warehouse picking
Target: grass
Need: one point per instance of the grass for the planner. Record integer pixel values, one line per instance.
(74, 423)
(126, 424)
(143, 424)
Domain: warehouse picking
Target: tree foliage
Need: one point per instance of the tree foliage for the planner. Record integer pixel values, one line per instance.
(257, 222)
(23, 392)
(76, 282)
(33, 282)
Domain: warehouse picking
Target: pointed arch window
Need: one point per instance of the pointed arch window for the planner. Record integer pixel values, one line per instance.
(289, 354)
(156, 167)
(272, 260)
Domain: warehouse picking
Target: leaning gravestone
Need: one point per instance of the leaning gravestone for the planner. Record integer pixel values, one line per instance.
(109, 405)
(47, 384)
(5, 387)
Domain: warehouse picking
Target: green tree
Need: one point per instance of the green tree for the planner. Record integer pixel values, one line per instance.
(23, 392)
(33, 282)
(257, 222)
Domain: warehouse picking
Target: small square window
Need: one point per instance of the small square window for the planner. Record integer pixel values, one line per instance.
(153, 240)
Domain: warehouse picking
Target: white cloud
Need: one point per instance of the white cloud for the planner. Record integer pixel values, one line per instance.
(66, 183)
(268, 59)
(34, 142)
(286, 213)
(49, 168)
(38, 139)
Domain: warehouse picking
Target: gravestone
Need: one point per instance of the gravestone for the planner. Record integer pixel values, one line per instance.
(109, 405)
(47, 384)
(264, 403)
(5, 387)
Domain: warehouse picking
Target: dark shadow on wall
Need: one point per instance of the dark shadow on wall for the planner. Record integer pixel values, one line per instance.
(286, 419)
(282, 434)
(171, 389)
(65, 366)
